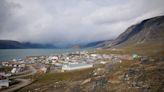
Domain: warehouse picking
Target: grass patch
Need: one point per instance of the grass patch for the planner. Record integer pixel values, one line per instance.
(109, 51)
(121, 67)
(47, 80)
(148, 49)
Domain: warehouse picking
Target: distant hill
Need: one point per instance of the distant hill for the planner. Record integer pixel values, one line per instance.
(7, 44)
(149, 31)
(10, 44)
(35, 45)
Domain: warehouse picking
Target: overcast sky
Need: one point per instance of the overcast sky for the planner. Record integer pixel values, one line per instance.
(72, 21)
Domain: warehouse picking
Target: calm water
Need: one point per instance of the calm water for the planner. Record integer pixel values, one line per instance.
(8, 54)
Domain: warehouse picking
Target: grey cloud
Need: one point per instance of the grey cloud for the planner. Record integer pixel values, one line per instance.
(72, 21)
(126, 12)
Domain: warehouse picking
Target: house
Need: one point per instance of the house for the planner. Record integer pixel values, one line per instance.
(93, 55)
(4, 83)
(13, 70)
(5, 64)
(3, 74)
(135, 56)
(13, 64)
(76, 66)
(44, 69)
(102, 62)
(21, 65)
(52, 59)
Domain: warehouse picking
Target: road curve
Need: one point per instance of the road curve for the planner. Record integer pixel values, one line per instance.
(23, 82)
(32, 69)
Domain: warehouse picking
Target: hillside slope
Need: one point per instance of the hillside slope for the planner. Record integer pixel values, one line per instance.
(149, 31)
(96, 44)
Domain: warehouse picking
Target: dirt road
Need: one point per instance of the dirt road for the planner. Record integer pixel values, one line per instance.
(31, 68)
(23, 82)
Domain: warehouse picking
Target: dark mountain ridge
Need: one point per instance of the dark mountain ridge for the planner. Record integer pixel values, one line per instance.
(10, 44)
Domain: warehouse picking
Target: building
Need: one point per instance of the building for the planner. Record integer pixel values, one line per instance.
(4, 75)
(4, 83)
(13, 70)
(76, 66)
(44, 69)
(13, 64)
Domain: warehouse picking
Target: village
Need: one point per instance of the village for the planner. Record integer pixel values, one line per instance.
(56, 63)
(101, 66)
(71, 61)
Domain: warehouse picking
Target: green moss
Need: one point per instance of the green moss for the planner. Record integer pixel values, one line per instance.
(46, 80)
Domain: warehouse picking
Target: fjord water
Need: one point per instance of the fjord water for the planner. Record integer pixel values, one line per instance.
(8, 54)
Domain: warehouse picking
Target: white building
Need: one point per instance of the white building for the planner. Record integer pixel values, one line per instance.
(76, 66)
(53, 58)
(58, 65)
(102, 62)
(4, 83)
(13, 70)
(4, 74)
(93, 55)
(44, 69)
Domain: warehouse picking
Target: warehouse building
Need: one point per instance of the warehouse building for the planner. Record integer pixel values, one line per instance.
(76, 66)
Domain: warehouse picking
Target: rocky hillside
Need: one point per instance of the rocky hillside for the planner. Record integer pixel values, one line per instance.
(148, 31)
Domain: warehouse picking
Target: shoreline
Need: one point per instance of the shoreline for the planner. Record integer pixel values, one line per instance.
(10, 54)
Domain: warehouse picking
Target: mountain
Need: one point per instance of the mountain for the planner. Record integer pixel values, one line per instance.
(6, 44)
(35, 45)
(10, 44)
(96, 44)
(75, 46)
(149, 31)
